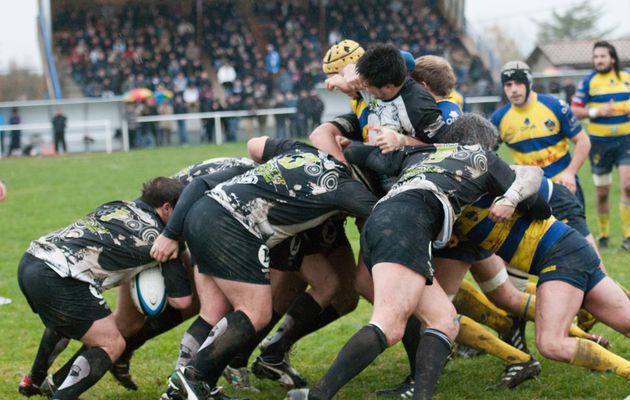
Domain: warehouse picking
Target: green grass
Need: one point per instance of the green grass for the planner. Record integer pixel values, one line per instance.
(49, 193)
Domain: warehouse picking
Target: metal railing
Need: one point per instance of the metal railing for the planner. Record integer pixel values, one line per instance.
(71, 125)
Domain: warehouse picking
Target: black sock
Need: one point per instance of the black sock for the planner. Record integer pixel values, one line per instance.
(224, 341)
(411, 340)
(434, 349)
(62, 373)
(163, 322)
(241, 359)
(354, 357)
(194, 336)
(51, 344)
(325, 317)
(299, 323)
(86, 370)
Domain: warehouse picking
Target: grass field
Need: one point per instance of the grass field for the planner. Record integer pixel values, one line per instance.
(48, 193)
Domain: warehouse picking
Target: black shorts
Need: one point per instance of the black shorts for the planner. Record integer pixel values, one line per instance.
(324, 238)
(566, 207)
(605, 154)
(401, 230)
(572, 260)
(465, 251)
(222, 246)
(66, 305)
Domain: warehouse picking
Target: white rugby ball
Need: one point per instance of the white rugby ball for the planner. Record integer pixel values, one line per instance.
(148, 291)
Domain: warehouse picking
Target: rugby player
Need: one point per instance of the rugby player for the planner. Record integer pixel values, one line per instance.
(63, 274)
(570, 277)
(298, 188)
(428, 173)
(604, 98)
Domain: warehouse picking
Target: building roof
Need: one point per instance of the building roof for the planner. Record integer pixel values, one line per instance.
(575, 53)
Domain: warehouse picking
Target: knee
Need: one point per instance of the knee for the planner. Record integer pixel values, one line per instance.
(393, 332)
(626, 190)
(260, 317)
(114, 346)
(551, 349)
(346, 301)
(181, 303)
(602, 193)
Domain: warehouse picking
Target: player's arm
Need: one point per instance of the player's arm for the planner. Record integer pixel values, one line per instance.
(264, 148)
(370, 157)
(511, 186)
(166, 245)
(352, 196)
(580, 153)
(346, 81)
(326, 137)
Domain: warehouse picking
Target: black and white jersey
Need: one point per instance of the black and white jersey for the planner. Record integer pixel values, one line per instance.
(106, 247)
(413, 112)
(297, 189)
(457, 175)
(213, 165)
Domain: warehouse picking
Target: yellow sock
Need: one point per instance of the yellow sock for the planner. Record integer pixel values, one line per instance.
(585, 319)
(527, 309)
(603, 222)
(593, 356)
(531, 288)
(471, 302)
(472, 334)
(624, 213)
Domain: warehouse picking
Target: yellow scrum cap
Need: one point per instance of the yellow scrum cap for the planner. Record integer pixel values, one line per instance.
(343, 53)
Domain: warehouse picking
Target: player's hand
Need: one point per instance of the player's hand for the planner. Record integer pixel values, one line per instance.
(567, 180)
(164, 249)
(342, 141)
(389, 140)
(333, 82)
(501, 210)
(607, 110)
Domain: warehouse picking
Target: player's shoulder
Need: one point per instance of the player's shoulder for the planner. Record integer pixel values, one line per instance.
(498, 115)
(556, 105)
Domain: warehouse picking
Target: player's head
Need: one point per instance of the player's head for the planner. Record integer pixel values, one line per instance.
(517, 82)
(161, 190)
(341, 54)
(435, 73)
(382, 69)
(605, 57)
(471, 128)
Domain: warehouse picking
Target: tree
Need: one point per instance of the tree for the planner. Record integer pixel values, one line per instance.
(578, 22)
(503, 43)
(21, 84)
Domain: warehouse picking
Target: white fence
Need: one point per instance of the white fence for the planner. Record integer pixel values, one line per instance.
(101, 130)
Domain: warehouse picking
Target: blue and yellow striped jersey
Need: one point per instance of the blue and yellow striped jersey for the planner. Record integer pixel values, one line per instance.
(361, 110)
(538, 134)
(521, 241)
(596, 90)
(450, 110)
(458, 99)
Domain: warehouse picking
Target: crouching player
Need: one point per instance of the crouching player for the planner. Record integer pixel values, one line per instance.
(63, 274)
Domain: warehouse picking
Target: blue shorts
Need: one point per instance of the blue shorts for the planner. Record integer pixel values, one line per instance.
(465, 251)
(608, 153)
(566, 207)
(572, 260)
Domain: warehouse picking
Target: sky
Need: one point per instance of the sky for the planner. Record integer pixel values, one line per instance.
(18, 33)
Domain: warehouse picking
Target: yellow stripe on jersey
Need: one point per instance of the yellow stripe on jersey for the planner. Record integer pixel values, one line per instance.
(361, 110)
(516, 240)
(597, 91)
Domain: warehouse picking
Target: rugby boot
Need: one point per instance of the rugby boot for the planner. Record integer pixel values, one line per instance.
(403, 390)
(602, 242)
(515, 374)
(180, 387)
(120, 372)
(297, 394)
(28, 388)
(516, 336)
(281, 372)
(239, 379)
(625, 244)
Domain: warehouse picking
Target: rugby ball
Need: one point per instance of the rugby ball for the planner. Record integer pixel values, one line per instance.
(148, 291)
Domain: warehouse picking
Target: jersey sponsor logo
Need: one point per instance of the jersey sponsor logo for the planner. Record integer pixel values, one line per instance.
(295, 245)
(550, 124)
